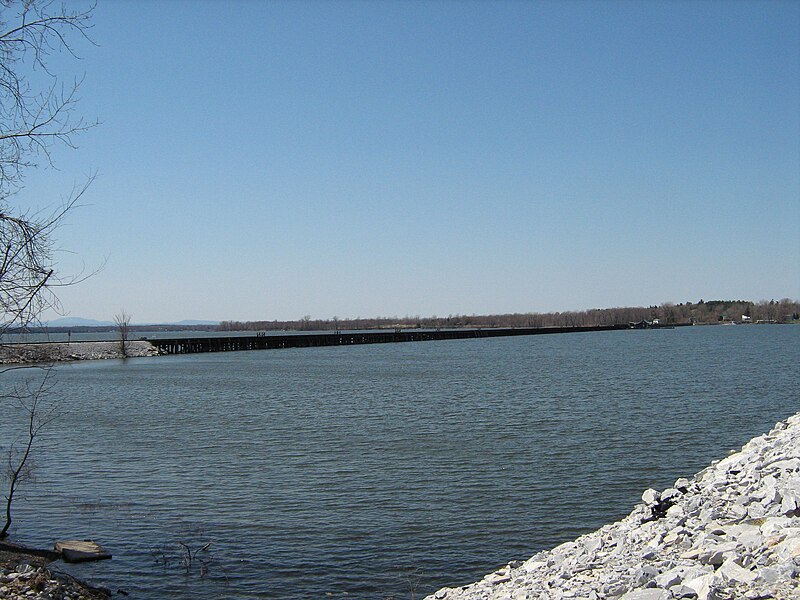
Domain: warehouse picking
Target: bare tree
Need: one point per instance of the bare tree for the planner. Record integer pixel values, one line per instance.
(28, 279)
(32, 119)
(37, 415)
(36, 113)
(123, 323)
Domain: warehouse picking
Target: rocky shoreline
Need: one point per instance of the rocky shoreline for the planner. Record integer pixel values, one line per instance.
(732, 531)
(48, 352)
(25, 577)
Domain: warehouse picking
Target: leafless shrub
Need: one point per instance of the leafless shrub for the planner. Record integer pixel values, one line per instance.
(32, 400)
(123, 324)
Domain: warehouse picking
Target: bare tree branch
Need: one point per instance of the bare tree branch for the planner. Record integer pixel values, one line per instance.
(36, 114)
(32, 119)
(38, 415)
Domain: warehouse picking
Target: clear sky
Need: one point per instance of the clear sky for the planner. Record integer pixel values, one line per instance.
(268, 160)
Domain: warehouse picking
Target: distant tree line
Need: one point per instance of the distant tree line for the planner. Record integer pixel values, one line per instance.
(701, 313)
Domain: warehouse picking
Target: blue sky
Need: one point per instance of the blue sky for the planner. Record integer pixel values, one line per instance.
(268, 160)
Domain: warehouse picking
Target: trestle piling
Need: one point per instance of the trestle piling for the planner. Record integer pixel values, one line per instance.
(347, 338)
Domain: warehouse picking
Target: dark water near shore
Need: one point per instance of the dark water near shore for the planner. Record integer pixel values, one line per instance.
(384, 471)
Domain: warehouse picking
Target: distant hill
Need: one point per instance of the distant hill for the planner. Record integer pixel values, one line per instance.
(77, 322)
(81, 322)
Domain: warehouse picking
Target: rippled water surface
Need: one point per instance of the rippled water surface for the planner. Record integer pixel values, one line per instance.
(383, 471)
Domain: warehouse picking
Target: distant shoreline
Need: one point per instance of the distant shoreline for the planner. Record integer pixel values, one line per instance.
(48, 352)
(40, 352)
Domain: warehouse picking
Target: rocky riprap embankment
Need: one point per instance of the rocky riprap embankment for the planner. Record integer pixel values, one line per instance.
(732, 531)
(30, 582)
(63, 351)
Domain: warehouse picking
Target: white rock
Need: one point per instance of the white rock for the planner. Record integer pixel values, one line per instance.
(670, 578)
(703, 586)
(730, 571)
(650, 497)
(792, 464)
(716, 554)
(682, 591)
(495, 579)
(649, 594)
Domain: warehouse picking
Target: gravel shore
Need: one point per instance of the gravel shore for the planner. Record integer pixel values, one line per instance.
(26, 577)
(730, 532)
(46, 352)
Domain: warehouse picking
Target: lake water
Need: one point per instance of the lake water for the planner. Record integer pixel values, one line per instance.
(383, 471)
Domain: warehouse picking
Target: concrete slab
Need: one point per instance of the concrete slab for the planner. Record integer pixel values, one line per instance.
(75, 551)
